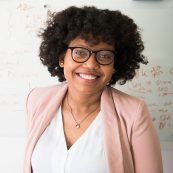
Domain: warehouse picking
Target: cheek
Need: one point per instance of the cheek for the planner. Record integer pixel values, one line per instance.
(67, 70)
(69, 66)
(109, 71)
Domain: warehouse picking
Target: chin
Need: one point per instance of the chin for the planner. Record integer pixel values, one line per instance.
(90, 90)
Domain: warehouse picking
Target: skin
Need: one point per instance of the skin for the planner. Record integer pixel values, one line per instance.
(83, 92)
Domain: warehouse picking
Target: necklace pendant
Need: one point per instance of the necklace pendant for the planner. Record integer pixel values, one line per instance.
(77, 126)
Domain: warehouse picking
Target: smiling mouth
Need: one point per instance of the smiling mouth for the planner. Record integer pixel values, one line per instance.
(88, 76)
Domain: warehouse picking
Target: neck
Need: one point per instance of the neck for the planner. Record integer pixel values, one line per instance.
(83, 103)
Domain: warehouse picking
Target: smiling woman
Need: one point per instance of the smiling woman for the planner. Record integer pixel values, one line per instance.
(83, 124)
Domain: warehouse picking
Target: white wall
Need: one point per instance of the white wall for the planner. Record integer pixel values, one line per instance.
(21, 70)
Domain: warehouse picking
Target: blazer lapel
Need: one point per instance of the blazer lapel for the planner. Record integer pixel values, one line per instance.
(51, 109)
(115, 137)
(43, 120)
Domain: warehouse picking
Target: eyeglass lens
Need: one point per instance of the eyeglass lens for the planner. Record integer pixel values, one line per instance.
(80, 55)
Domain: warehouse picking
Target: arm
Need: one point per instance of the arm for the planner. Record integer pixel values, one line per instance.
(145, 144)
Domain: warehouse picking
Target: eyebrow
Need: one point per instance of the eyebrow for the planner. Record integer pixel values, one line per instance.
(85, 46)
(80, 45)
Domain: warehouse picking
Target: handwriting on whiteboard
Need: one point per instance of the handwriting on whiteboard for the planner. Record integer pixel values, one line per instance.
(155, 85)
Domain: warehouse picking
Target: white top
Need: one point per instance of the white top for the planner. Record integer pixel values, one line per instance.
(86, 155)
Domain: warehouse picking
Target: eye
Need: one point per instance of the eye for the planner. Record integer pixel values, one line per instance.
(80, 52)
(104, 57)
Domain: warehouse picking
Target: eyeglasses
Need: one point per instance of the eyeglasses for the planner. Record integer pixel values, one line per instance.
(81, 55)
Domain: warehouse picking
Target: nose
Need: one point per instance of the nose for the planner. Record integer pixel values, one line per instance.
(91, 63)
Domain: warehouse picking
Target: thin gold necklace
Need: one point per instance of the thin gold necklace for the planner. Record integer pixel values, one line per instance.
(78, 124)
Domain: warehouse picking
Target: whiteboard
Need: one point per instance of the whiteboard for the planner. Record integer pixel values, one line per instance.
(21, 70)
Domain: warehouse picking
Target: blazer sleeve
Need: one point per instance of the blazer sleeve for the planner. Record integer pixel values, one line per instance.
(145, 143)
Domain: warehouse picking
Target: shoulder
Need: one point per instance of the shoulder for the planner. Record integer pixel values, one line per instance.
(129, 107)
(41, 92)
(124, 98)
(47, 90)
(39, 95)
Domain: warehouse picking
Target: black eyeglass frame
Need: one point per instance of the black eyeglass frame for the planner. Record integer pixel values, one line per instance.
(90, 53)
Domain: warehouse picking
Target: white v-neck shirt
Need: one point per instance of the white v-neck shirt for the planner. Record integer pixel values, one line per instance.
(86, 155)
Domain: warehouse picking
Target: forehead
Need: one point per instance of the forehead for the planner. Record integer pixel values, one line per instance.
(91, 44)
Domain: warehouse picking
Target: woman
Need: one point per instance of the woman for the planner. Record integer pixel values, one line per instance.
(84, 125)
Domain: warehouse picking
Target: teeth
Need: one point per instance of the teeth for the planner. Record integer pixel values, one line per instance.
(86, 76)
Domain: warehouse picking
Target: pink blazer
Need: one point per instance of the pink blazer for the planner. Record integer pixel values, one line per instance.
(130, 141)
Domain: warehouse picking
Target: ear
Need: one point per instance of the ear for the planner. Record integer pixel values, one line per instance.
(61, 62)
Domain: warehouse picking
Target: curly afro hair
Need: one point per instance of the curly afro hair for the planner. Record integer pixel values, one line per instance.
(104, 25)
